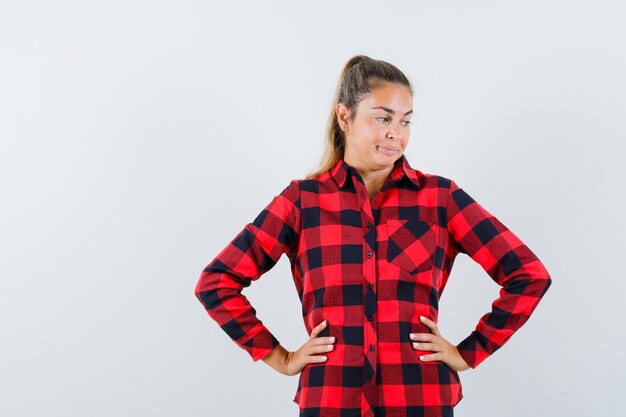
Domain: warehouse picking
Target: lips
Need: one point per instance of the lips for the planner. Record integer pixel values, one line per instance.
(388, 150)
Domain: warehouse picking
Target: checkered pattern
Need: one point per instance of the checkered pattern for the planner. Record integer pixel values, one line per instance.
(371, 268)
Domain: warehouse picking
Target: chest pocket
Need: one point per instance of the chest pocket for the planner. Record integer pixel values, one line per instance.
(411, 244)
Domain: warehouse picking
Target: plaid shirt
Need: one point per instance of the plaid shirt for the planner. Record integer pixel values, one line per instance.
(371, 268)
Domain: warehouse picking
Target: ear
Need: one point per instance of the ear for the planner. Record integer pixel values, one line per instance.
(343, 116)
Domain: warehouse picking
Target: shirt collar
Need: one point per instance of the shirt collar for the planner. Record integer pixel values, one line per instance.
(401, 168)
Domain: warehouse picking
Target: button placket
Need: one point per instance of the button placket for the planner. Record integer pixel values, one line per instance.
(369, 305)
(369, 299)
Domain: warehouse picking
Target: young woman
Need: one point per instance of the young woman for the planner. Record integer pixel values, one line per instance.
(372, 242)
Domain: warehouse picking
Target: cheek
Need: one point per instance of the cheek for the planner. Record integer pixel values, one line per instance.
(369, 136)
(379, 134)
(371, 129)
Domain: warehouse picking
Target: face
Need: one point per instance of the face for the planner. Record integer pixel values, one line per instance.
(379, 132)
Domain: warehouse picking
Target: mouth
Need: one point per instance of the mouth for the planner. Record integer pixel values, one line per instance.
(387, 150)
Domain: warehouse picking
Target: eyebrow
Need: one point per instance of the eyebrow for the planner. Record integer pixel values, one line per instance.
(391, 111)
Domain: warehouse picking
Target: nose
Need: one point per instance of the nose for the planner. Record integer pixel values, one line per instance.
(393, 133)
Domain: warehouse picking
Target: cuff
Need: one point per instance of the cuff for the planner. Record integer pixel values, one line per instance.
(260, 345)
(472, 349)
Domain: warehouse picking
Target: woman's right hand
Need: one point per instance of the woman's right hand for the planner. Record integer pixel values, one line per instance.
(307, 353)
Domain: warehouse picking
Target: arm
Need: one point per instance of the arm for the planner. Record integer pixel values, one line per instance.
(278, 359)
(507, 260)
(254, 251)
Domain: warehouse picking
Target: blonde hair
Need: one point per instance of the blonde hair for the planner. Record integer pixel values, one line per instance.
(359, 76)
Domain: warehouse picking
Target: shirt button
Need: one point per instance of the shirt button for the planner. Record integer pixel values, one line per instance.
(371, 347)
(370, 225)
(370, 286)
(370, 318)
(369, 254)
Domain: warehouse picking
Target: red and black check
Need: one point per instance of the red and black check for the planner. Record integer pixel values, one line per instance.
(371, 268)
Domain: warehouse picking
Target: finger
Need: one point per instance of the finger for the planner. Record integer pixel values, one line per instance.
(320, 349)
(431, 347)
(430, 324)
(317, 329)
(431, 357)
(323, 340)
(423, 337)
(317, 358)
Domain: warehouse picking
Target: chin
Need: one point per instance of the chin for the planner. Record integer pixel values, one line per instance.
(386, 160)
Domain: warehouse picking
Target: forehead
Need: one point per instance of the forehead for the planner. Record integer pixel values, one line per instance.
(393, 96)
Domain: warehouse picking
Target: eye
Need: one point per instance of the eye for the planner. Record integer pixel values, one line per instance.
(407, 122)
(384, 118)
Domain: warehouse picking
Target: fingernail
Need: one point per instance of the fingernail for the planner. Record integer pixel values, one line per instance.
(324, 322)
(325, 357)
(422, 357)
(332, 338)
(412, 335)
(415, 344)
(422, 318)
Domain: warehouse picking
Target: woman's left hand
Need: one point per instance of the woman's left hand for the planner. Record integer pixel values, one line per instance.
(442, 350)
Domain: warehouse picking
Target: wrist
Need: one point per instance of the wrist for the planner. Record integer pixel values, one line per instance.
(277, 359)
(288, 357)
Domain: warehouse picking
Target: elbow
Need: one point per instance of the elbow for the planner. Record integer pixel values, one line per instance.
(208, 298)
(213, 290)
(542, 283)
(546, 285)
(542, 279)
(197, 290)
(533, 282)
(206, 291)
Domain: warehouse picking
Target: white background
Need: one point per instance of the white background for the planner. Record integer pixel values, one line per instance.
(139, 137)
